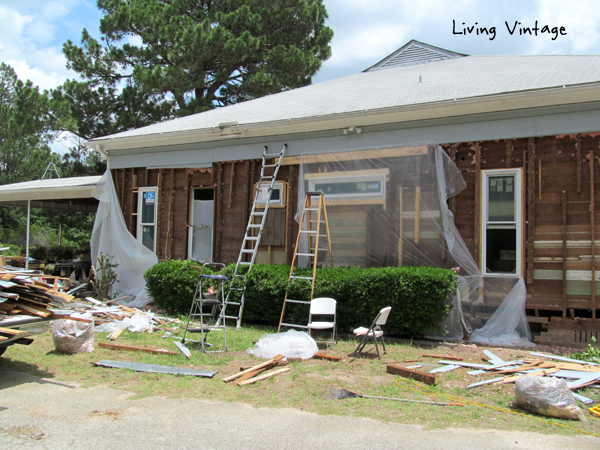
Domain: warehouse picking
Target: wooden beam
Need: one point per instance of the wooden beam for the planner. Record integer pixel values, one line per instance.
(564, 252)
(509, 150)
(578, 161)
(530, 207)
(219, 205)
(136, 349)
(592, 160)
(324, 355)
(478, 200)
(267, 363)
(427, 378)
(231, 184)
(264, 376)
(540, 177)
(358, 155)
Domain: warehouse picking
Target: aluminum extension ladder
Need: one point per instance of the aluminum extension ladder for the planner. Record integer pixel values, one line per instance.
(237, 289)
(307, 228)
(208, 307)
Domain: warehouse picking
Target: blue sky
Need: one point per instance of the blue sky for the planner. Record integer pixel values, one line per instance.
(32, 31)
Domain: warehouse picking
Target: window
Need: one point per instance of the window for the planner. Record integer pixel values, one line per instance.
(147, 202)
(501, 222)
(277, 196)
(346, 186)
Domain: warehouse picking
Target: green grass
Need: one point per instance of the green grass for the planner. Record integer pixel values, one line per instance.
(306, 387)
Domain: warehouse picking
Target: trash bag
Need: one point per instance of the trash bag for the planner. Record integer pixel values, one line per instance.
(292, 344)
(72, 337)
(547, 396)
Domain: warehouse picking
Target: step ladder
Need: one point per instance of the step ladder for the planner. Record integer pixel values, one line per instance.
(313, 215)
(256, 224)
(208, 308)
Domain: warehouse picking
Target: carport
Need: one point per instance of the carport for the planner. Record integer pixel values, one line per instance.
(61, 194)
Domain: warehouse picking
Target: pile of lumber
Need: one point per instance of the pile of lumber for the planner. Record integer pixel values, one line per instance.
(576, 373)
(25, 293)
(253, 374)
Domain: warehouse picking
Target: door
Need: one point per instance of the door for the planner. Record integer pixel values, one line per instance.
(200, 245)
(147, 201)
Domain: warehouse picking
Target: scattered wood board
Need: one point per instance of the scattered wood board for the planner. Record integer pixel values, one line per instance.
(263, 377)
(427, 378)
(324, 355)
(452, 358)
(267, 363)
(136, 349)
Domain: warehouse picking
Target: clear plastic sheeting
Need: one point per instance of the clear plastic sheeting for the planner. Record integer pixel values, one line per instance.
(389, 207)
(111, 237)
(291, 344)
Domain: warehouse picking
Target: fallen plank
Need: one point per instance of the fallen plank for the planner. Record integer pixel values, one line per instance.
(446, 368)
(267, 363)
(183, 349)
(522, 368)
(562, 358)
(514, 378)
(493, 358)
(419, 376)
(452, 358)
(465, 364)
(324, 355)
(263, 377)
(136, 349)
(153, 368)
(592, 378)
(11, 331)
(115, 334)
(277, 364)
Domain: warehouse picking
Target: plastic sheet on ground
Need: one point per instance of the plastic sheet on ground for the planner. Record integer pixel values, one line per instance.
(291, 344)
(136, 323)
(71, 336)
(111, 237)
(389, 207)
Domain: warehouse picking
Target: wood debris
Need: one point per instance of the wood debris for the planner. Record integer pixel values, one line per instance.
(324, 355)
(254, 370)
(427, 378)
(136, 349)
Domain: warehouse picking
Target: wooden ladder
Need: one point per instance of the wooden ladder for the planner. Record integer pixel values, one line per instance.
(307, 221)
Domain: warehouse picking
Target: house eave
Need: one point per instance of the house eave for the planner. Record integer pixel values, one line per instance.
(500, 102)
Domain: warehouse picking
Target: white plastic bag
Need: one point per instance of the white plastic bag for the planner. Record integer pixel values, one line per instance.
(292, 344)
(71, 336)
(547, 396)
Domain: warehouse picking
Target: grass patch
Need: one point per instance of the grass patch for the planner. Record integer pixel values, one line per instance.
(307, 387)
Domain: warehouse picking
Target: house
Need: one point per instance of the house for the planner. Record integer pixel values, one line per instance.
(523, 131)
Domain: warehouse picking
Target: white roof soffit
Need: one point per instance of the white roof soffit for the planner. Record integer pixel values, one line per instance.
(451, 88)
(51, 189)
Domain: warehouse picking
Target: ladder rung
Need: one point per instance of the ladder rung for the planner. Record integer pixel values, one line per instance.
(293, 277)
(247, 251)
(257, 225)
(242, 263)
(304, 254)
(269, 177)
(231, 317)
(270, 165)
(293, 325)
(271, 155)
(304, 302)
(311, 209)
(251, 238)
(308, 231)
(258, 213)
(232, 303)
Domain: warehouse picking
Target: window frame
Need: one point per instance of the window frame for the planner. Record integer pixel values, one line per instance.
(517, 173)
(141, 194)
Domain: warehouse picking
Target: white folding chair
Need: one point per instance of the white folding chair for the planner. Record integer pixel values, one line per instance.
(373, 332)
(322, 306)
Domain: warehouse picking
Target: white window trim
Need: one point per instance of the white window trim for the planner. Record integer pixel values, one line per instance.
(380, 178)
(261, 200)
(141, 192)
(485, 176)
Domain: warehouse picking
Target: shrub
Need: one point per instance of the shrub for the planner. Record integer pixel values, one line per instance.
(419, 296)
(171, 284)
(60, 253)
(39, 253)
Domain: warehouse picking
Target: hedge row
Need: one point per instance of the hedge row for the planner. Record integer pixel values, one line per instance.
(419, 296)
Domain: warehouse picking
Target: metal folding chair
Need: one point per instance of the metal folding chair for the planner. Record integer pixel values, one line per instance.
(323, 306)
(373, 332)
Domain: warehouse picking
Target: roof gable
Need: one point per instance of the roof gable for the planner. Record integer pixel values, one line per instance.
(413, 53)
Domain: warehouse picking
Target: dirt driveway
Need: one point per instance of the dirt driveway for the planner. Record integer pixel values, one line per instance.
(39, 413)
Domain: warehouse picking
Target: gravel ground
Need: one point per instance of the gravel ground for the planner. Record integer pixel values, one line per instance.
(38, 413)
